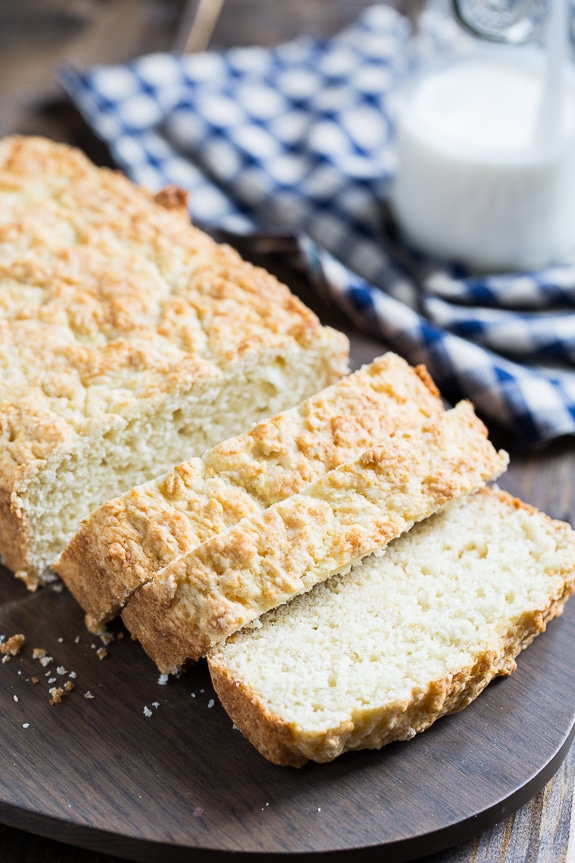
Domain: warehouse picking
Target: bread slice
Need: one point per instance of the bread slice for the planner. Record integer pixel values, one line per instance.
(207, 594)
(123, 543)
(129, 341)
(405, 638)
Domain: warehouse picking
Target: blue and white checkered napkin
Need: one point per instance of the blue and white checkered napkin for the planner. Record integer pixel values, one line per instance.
(300, 138)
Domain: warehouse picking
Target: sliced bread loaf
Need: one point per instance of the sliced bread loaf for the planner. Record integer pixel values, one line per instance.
(123, 543)
(403, 639)
(210, 592)
(129, 341)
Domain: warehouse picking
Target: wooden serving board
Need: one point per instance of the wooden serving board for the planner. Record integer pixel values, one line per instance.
(100, 774)
(182, 784)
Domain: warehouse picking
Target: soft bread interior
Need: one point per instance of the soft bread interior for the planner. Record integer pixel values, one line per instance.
(415, 632)
(72, 483)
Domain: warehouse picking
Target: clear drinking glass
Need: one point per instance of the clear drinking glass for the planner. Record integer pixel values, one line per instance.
(486, 139)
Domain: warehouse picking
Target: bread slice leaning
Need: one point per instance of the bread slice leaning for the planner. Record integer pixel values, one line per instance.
(207, 594)
(406, 637)
(124, 542)
(129, 341)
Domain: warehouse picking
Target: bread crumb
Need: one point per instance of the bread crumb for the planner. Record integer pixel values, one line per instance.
(25, 725)
(163, 679)
(77, 640)
(15, 697)
(72, 674)
(211, 702)
(13, 645)
(6, 658)
(101, 653)
(34, 680)
(172, 197)
(106, 638)
(42, 655)
(69, 686)
(62, 670)
(155, 704)
(147, 711)
(88, 694)
(56, 693)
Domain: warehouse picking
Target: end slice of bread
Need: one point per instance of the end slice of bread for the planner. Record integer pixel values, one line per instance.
(406, 637)
(207, 594)
(123, 543)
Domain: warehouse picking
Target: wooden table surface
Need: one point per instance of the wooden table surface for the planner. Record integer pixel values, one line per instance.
(36, 35)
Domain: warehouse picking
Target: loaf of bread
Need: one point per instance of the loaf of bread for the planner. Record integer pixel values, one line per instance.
(212, 591)
(129, 341)
(124, 542)
(404, 638)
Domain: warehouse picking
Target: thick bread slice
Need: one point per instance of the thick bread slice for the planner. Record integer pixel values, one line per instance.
(207, 594)
(123, 543)
(129, 341)
(405, 638)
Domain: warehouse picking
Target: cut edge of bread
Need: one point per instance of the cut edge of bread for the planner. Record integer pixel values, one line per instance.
(285, 741)
(207, 594)
(122, 544)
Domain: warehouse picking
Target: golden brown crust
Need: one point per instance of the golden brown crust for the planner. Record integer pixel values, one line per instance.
(131, 298)
(111, 302)
(426, 378)
(13, 530)
(123, 543)
(172, 198)
(207, 594)
(274, 738)
(286, 743)
(283, 744)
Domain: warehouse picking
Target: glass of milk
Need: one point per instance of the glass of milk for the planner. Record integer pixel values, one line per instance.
(486, 155)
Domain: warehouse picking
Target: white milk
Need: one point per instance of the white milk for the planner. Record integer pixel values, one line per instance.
(483, 177)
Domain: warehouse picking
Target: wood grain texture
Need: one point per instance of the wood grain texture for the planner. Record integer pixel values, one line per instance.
(539, 832)
(35, 38)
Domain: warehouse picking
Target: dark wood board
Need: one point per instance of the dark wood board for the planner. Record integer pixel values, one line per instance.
(100, 774)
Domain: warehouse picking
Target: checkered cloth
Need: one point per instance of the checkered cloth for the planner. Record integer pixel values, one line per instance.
(299, 139)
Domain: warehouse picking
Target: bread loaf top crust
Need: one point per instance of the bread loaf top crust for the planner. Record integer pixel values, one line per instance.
(124, 542)
(212, 591)
(111, 299)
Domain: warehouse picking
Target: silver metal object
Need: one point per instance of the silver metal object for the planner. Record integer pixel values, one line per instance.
(509, 21)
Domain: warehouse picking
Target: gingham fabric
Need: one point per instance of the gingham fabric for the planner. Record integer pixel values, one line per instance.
(300, 139)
